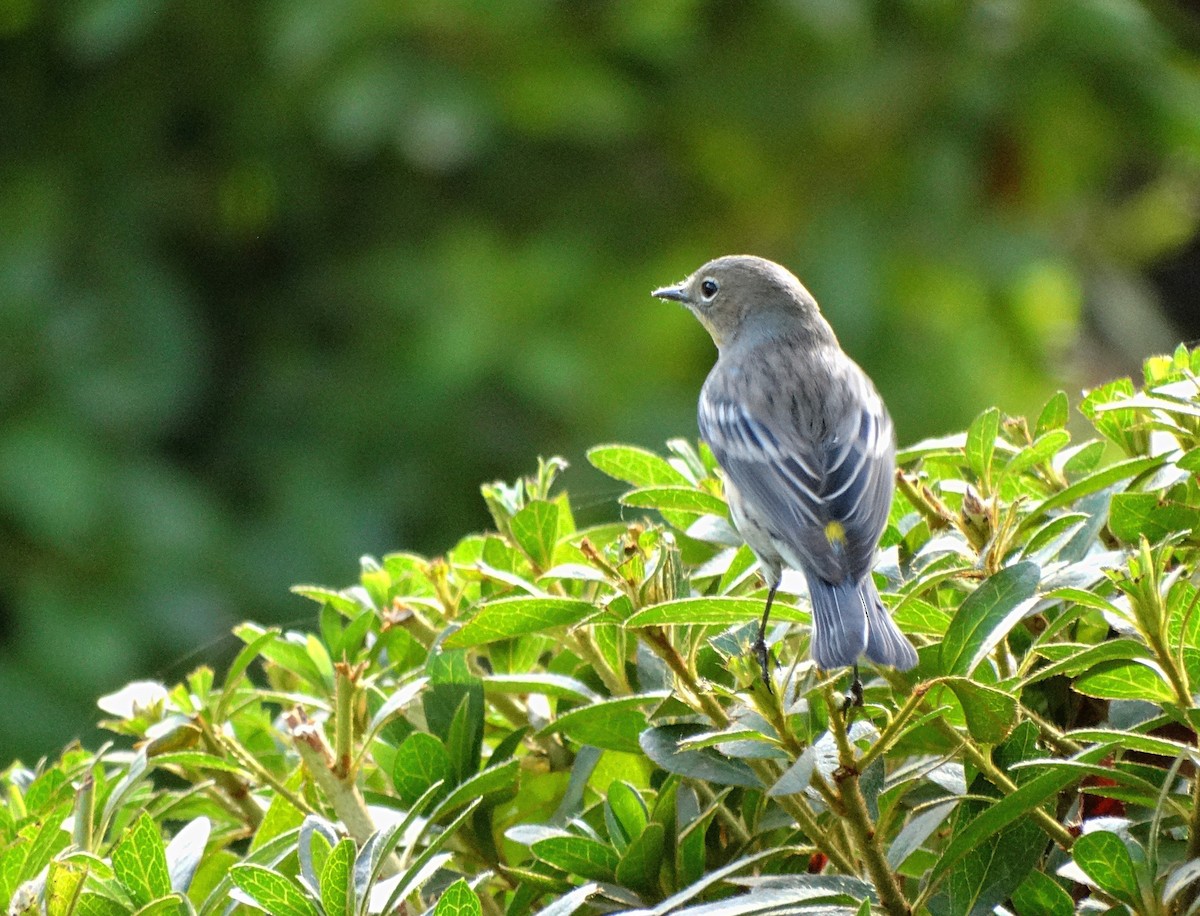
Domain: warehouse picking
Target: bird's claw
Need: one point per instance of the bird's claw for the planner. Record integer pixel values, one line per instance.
(854, 698)
(760, 652)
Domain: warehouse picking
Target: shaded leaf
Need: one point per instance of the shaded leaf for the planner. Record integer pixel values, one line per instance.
(986, 616)
(661, 745)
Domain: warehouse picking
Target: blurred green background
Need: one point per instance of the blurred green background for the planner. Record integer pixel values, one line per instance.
(282, 282)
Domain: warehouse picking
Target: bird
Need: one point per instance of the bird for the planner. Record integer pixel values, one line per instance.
(808, 452)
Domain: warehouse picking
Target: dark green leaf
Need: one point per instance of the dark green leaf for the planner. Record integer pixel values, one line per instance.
(628, 809)
(986, 616)
(1041, 895)
(995, 817)
(991, 714)
(1135, 515)
(509, 617)
(501, 777)
(988, 861)
(578, 856)
(1102, 856)
(639, 866)
(464, 742)
(611, 724)
(420, 761)
(661, 744)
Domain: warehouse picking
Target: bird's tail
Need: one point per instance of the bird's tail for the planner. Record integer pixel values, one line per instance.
(839, 628)
(886, 645)
(849, 620)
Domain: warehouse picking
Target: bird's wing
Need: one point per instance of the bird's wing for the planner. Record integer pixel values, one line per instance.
(828, 501)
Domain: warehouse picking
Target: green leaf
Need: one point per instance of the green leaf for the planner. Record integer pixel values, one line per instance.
(502, 777)
(91, 904)
(989, 861)
(464, 743)
(509, 617)
(1134, 741)
(535, 529)
(337, 880)
(578, 856)
(197, 760)
(277, 894)
(981, 445)
(291, 652)
(1135, 515)
(661, 745)
(1114, 473)
(1054, 415)
(557, 686)
(1121, 425)
(610, 724)
(63, 883)
(719, 610)
(998, 815)
(986, 616)
(635, 466)
(450, 680)
(458, 900)
(1126, 680)
(165, 906)
(1070, 659)
(991, 714)
(1039, 452)
(639, 866)
(420, 761)
(1041, 895)
(675, 499)
(1103, 857)
(140, 862)
(627, 810)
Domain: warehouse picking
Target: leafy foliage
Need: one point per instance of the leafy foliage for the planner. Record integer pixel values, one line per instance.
(552, 719)
(336, 258)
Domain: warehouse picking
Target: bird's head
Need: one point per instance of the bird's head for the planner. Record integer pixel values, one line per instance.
(740, 295)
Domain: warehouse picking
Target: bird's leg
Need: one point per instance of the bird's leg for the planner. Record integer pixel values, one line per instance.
(855, 696)
(760, 644)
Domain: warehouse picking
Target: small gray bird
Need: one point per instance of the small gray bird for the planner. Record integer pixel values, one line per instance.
(808, 451)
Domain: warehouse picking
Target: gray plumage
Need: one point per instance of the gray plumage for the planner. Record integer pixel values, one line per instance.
(807, 447)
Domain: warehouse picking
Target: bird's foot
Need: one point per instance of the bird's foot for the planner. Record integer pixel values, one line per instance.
(855, 697)
(760, 652)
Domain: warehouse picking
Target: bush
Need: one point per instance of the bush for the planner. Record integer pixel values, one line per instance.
(556, 720)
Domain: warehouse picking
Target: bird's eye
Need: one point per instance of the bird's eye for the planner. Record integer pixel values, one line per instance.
(708, 288)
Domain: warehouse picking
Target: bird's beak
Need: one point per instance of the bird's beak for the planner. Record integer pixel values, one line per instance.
(675, 293)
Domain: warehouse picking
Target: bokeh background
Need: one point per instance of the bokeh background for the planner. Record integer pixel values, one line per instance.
(282, 282)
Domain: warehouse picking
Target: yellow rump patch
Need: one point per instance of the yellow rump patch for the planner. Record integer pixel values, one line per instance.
(835, 534)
